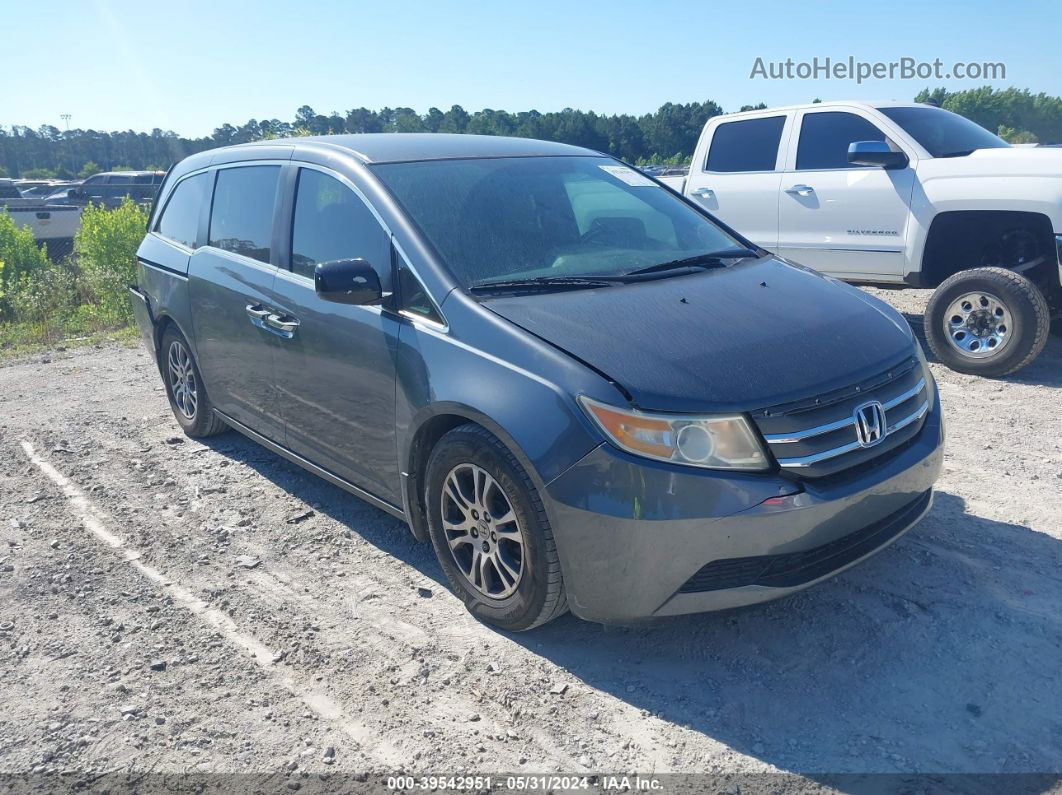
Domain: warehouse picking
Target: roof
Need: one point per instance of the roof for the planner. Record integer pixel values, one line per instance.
(403, 147)
(862, 103)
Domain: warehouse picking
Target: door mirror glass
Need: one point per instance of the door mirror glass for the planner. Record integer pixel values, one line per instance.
(875, 153)
(347, 281)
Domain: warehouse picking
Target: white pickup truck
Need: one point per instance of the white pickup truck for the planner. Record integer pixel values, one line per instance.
(900, 194)
(52, 224)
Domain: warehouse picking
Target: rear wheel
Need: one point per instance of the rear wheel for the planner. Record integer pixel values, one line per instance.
(490, 532)
(987, 321)
(184, 387)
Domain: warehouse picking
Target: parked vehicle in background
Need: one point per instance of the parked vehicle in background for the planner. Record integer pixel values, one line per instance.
(111, 187)
(51, 224)
(563, 375)
(47, 190)
(901, 194)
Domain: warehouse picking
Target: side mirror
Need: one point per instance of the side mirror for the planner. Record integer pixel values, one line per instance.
(347, 281)
(875, 153)
(73, 193)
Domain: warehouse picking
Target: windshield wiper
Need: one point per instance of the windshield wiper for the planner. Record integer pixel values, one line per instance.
(540, 283)
(713, 259)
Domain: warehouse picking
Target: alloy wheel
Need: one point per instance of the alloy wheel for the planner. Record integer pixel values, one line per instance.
(482, 531)
(182, 379)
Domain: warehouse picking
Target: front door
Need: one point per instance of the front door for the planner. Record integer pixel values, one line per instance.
(230, 285)
(849, 221)
(335, 373)
(737, 179)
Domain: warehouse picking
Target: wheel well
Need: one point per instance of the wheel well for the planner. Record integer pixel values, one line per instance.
(960, 240)
(427, 436)
(163, 323)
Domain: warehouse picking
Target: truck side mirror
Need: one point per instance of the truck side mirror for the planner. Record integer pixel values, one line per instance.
(347, 281)
(875, 153)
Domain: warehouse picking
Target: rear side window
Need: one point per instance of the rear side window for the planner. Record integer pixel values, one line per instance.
(180, 219)
(241, 219)
(825, 137)
(331, 222)
(750, 145)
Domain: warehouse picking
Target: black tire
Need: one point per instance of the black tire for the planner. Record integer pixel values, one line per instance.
(203, 421)
(539, 591)
(1030, 321)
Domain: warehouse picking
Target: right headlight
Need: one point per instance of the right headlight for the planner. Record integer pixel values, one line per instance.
(713, 441)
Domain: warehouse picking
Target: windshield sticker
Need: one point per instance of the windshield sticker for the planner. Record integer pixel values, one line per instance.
(629, 175)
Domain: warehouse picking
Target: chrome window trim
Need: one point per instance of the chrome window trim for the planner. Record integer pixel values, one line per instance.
(799, 436)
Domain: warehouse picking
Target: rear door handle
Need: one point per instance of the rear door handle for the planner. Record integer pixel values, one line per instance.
(703, 193)
(282, 325)
(800, 190)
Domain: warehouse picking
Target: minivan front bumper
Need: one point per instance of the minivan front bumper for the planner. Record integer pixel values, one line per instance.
(638, 540)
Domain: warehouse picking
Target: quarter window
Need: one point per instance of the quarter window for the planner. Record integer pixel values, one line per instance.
(414, 298)
(241, 219)
(180, 219)
(331, 222)
(750, 145)
(825, 137)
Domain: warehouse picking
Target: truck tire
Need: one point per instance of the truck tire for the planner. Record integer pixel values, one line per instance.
(987, 321)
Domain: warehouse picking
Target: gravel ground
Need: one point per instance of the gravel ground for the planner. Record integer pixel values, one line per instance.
(167, 605)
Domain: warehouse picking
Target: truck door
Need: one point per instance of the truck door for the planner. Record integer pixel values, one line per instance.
(849, 221)
(738, 175)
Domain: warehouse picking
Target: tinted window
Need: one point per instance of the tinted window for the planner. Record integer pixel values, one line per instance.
(180, 219)
(119, 179)
(824, 139)
(241, 219)
(332, 223)
(526, 217)
(746, 145)
(942, 133)
(414, 297)
(143, 179)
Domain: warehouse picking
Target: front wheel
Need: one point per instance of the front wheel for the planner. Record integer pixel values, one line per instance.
(987, 321)
(490, 532)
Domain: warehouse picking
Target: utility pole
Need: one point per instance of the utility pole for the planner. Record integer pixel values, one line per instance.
(69, 150)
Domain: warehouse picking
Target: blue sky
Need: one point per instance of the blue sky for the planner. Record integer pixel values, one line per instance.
(195, 65)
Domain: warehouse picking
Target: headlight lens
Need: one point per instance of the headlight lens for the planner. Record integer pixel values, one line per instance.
(712, 442)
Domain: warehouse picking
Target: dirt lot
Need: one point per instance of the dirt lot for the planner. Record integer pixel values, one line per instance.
(167, 605)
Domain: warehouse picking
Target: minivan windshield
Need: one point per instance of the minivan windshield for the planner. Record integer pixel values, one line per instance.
(549, 218)
(943, 133)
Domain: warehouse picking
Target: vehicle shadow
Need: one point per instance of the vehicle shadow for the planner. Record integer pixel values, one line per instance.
(1045, 370)
(941, 654)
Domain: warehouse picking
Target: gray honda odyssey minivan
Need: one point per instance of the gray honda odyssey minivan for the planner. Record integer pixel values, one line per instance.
(582, 389)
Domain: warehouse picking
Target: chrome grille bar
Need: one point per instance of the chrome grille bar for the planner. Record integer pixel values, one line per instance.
(809, 460)
(799, 436)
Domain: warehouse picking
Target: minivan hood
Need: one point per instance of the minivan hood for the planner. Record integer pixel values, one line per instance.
(753, 335)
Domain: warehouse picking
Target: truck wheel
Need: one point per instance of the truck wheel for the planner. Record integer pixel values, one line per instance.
(184, 387)
(491, 533)
(987, 321)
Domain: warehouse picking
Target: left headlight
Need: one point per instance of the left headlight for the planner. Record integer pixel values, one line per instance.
(710, 441)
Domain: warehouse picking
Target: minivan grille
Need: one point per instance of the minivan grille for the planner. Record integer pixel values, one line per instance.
(824, 436)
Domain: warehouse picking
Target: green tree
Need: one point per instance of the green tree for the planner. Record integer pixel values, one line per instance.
(88, 169)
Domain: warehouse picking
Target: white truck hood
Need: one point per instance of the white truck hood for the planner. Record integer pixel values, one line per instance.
(1013, 162)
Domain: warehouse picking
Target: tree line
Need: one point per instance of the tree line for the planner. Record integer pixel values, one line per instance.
(667, 136)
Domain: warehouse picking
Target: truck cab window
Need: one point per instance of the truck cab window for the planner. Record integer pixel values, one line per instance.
(750, 145)
(825, 137)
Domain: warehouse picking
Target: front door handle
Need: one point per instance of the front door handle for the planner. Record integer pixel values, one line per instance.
(703, 193)
(283, 325)
(258, 314)
(800, 190)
